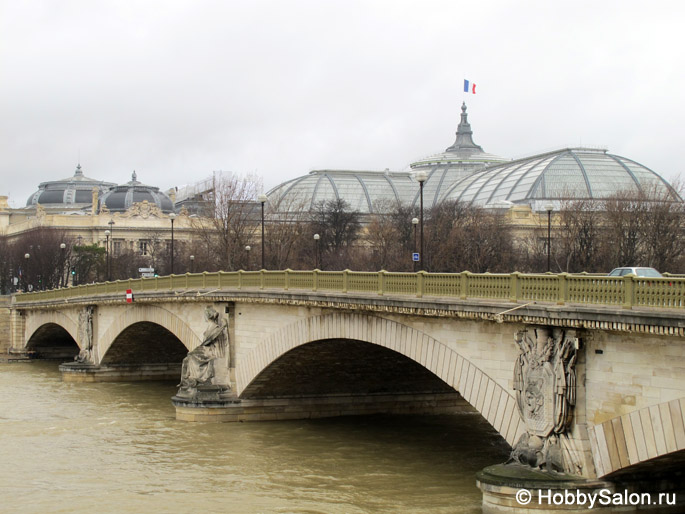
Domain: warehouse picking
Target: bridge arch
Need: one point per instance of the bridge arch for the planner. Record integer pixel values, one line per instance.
(490, 399)
(51, 335)
(148, 314)
(39, 319)
(629, 440)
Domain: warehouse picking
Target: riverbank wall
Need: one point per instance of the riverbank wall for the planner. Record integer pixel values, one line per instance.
(5, 340)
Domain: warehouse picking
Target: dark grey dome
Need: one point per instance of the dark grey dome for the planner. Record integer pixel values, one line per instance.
(73, 192)
(121, 198)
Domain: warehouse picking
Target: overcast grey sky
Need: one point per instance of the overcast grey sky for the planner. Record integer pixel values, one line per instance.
(177, 89)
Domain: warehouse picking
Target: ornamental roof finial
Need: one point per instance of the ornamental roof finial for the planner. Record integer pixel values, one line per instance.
(464, 140)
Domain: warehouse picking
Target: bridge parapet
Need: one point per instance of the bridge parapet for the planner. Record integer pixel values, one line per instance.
(562, 289)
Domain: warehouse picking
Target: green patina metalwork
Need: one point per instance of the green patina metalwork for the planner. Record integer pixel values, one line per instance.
(626, 292)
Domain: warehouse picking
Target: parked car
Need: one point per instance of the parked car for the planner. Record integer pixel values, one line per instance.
(640, 272)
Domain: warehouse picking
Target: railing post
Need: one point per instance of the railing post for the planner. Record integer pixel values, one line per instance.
(420, 283)
(346, 279)
(381, 282)
(261, 279)
(286, 279)
(204, 280)
(315, 280)
(514, 286)
(464, 284)
(240, 279)
(218, 279)
(562, 296)
(628, 291)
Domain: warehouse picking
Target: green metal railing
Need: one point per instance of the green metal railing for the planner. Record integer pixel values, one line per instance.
(626, 292)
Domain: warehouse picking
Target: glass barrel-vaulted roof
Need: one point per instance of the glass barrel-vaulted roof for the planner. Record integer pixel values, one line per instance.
(571, 173)
(364, 191)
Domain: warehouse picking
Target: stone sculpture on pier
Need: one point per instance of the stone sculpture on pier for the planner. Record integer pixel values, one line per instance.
(203, 365)
(545, 385)
(85, 331)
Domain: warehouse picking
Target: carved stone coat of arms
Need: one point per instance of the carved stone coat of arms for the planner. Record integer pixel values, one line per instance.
(545, 386)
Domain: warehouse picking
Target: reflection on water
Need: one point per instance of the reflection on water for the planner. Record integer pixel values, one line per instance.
(118, 448)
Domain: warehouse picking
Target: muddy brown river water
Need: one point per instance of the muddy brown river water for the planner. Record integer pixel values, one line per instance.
(117, 447)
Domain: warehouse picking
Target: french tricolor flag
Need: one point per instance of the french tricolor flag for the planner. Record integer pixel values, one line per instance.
(469, 87)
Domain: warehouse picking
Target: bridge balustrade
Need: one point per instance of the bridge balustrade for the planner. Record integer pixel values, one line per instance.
(627, 292)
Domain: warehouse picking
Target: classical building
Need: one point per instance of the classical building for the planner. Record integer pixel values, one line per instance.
(126, 218)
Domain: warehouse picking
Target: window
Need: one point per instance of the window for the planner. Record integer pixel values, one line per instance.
(143, 246)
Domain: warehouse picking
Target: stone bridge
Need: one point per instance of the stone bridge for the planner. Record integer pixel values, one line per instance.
(303, 344)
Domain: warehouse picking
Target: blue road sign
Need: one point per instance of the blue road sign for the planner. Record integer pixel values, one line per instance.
(415, 257)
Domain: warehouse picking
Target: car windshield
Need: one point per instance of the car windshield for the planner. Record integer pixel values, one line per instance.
(640, 272)
(647, 272)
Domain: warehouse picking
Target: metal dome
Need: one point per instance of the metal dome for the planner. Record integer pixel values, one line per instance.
(73, 192)
(364, 191)
(458, 161)
(121, 198)
(570, 173)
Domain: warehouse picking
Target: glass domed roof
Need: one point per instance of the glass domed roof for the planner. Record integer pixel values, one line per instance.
(121, 198)
(73, 192)
(364, 191)
(571, 173)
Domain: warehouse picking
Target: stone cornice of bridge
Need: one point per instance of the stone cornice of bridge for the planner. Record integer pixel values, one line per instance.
(594, 317)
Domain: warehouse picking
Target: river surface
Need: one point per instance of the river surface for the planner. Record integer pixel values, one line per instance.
(117, 447)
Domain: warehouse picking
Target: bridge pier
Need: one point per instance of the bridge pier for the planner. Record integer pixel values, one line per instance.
(511, 488)
(87, 372)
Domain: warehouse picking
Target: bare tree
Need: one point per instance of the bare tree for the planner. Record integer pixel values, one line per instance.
(285, 233)
(465, 237)
(338, 227)
(47, 262)
(624, 219)
(233, 221)
(386, 237)
(663, 231)
(579, 236)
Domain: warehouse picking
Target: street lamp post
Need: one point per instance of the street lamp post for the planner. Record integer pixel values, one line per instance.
(421, 177)
(262, 199)
(62, 248)
(26, 271)
(414, 222)
(172, 217)
(192, 264)
(111, 246)
(247, 251)
(317, 252)
(549, 208)
(107, 254)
